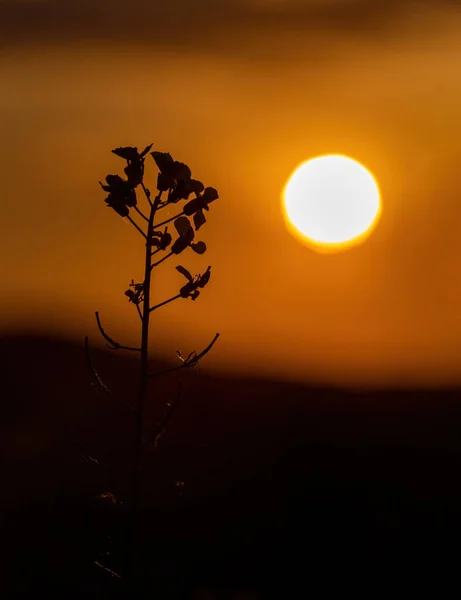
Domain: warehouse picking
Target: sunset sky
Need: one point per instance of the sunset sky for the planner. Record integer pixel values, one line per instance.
(242, 91)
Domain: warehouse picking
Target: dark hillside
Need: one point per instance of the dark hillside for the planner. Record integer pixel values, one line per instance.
(281, 480)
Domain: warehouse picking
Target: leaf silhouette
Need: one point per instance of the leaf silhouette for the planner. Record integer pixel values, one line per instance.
(199, 219)
(197, 186)
(146, 150)
(163, 160)
(187, 289)
(121, 194)
(182, 225)
(163, 182)
(205, 278)
(184, 272)
(114, 181)
(201, 202)
(181, 172)
(135, 295)
(128, 153)
(183, 242)
(166, 241)
(184, 188)
(199, 247)
(210, 194)
(194, 206)
(134, 172)
(174, 176)
(121, 209)
(161, 239)
(130, 198)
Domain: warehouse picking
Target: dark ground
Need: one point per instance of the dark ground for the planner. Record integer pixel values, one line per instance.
(289, 490)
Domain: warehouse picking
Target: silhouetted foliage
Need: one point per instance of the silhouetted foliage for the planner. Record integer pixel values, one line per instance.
(136, 294)
(161, 239)
(121, 194)
(190, 290)
(201, 202)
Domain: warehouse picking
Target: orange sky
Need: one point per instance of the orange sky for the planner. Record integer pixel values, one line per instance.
(243, 113)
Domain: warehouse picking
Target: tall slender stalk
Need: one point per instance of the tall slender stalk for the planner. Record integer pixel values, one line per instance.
(175, 178)
(143, 379)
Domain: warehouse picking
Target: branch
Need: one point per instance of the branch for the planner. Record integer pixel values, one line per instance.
(168, 220)
(155, 251)
(165, 302)
(163, 204)
(193, 361)
(115, 345)
(161, 260)
(190, 361)
(139, 312)
(112, 573)
(98, 379)
(137, 227)
(147, 192)
(141, 213)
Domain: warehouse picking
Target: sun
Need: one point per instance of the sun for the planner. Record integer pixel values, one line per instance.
(331, 202)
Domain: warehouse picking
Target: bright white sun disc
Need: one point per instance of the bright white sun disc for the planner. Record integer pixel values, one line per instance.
(332, 200)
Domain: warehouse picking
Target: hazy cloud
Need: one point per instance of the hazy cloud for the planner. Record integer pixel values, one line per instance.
(201, 23)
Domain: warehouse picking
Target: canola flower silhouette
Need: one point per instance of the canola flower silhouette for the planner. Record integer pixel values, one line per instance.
(174, 184)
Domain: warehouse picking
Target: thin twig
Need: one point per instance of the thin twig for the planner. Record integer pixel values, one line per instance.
(113, 573)
(165, 302)
(161, 260)
(143, 381)
(190, 361)
(137, 227)
(147, 192)
(115, 345)
(155, 251)
(141, 213)
(98, 380)
(139, 312)
(163, 204)
(170, 219)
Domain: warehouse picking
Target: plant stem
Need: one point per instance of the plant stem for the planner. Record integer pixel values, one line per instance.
(141, 213)
(135, 225)
(139, 311)
(161, 260)
(147, 193)
(170, 219)
(143, 380)
(165, 302)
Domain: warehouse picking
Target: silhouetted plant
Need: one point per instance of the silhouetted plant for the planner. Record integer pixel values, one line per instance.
(174, 184)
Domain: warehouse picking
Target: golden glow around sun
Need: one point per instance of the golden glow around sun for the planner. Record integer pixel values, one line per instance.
(331, 202)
